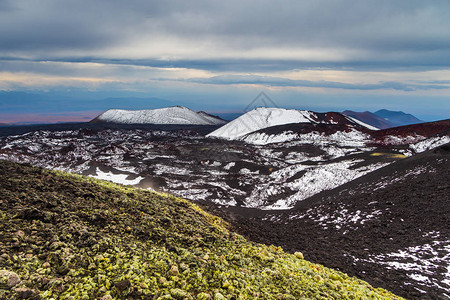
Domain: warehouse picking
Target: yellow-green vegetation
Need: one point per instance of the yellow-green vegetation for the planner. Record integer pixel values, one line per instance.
(390, 155)
(70, 237)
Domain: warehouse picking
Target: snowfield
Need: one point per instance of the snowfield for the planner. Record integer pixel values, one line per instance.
(269, 176)
(259, 170)
(352, 138)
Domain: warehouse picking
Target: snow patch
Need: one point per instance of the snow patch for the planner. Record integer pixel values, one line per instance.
(362, 123)
(322, 178)
(116, 178)
(430, 143)
(421, 261)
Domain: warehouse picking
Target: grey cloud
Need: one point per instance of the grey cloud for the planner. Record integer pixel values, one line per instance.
(438, 82)
(6, 5)
(406, 32)
(43, 26)
(236, 65)
(29, 25)
(284, 82)
(125, 69)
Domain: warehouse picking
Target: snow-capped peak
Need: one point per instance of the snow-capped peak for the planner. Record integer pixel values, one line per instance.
(260, 118)
(263, 117)
(177, 115)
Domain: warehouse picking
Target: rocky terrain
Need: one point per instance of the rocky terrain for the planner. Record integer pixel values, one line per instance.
(272, 168)
(186, 164)
(389, 227)
(318, 187)
(70, 237)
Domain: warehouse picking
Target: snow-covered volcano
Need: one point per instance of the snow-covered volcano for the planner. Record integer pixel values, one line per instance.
(263, 117)
(177, 115)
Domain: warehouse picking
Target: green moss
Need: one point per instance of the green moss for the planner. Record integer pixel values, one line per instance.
(86, 239)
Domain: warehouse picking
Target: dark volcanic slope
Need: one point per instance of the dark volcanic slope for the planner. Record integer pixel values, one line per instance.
(389, 227)
(334, 118)
(303, 128)
(423, 129)
(68, 237)
(22, 129)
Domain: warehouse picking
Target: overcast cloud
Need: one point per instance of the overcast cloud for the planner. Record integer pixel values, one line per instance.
(371, 32)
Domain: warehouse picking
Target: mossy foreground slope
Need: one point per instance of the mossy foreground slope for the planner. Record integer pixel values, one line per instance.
(69, 237)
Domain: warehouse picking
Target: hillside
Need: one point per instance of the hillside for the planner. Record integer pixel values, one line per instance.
(69, 236)
(389, 226)
(416, 137)
(410, 133)
(176, 115)
(263, 117)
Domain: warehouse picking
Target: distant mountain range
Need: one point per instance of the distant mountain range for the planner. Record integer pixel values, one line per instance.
(398, 118)
(177, 115)
(257, 119)
(384, 118)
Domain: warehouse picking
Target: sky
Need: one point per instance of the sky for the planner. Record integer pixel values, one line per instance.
(69, 60)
